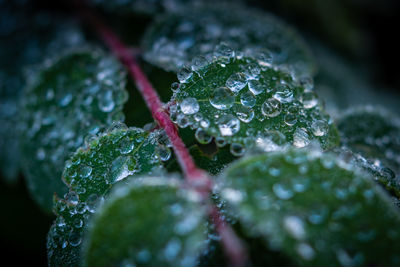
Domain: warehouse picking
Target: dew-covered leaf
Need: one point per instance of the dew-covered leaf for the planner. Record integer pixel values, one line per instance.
(177, 39)
(374, 133)
(24, 40)
(150, 222)
(315, 208)
(238, 100)
(107, 159)
(72, 96)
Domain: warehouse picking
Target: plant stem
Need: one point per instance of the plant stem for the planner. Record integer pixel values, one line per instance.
(196, 178)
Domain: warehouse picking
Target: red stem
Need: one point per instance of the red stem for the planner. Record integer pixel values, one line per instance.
(196, 177)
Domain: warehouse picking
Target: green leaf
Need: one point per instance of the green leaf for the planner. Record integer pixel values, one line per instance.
(374, 134)
(176, 39)
(72, 96)
(315, 208)
(150, 222)
(25, 39)
(238, 100)
(107, 159)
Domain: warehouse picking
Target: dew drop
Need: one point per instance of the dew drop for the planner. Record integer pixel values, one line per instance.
(294, 226)
(189, 106)
(85, 171)
(283, 94)
(222, 98)
(184, 74)
(237, 149)
(65, 100)
(305, 251)
(247, 99)
(126, 145)
(271, 107)
(224, 53)
(307, 83)
(228, 125)
(319, 128)
(290, 119)
(105, 101)
(282, 191)
(164, 152)
(236, 82)
(244, 114)
(202, 136)
(75, 239)
(199, 63)
(309, 99)
(251, 71)
(301, 138)
(122, 167)
(255, 87)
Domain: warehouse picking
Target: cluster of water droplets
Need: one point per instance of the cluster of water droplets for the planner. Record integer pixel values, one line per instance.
(77, 93)
(235, 98)
(175, 218)
(175, 39)
(283, 209)
(106, 159)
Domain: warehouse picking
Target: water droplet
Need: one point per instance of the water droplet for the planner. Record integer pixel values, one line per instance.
(221, 142)
(255, 87)
(175, 86)
(40, 154)
(281, 191)
(202, 136)
(189, 106)
(251, 70)
(283, 94)
(307, 83)
(85, 171)
(72, 198)
(182, 121)
(264, 57)
(75, 239)
(126, 145)
(237, 149)
(199, 63)
(224, 53)
(305, 251)
(105, 101)
(271, 107)
(65, 100)
(91, 203)
(232, 195)
(236, 82)
(164, 152)
(290, 119)
(222, 98)
(122, 167)
(184, 74)
(319, 128)
(309, 99)
(294, 226)
(244, 114)
(172, 249)
(228, 125)
(301, 138)
(247, 99)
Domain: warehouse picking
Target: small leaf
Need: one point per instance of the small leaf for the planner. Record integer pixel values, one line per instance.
(150, 222)
(240, 101)
(372, 132)
(177, 39)
(108, 159)
(25, 39)
(315, 208)
(70, 97)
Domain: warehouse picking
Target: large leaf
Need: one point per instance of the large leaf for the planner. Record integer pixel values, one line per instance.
(175, 39)
(91, 172)
(315, 208)
(239, 99)
(70, 97)
(24, 40)
(151, 222)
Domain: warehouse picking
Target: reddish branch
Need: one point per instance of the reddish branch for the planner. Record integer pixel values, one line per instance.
(196, 177)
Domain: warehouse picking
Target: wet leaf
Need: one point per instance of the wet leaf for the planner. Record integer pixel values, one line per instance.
(241, 101)
(73, 95)
(110, 158)
(189, 36)
(173, 217)
(314, 207)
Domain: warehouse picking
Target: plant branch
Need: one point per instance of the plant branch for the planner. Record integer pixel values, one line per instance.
(196, 178)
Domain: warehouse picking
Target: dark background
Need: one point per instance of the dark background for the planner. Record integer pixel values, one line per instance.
(364, 31)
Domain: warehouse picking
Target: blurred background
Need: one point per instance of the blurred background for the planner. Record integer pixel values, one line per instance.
(363, 32)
